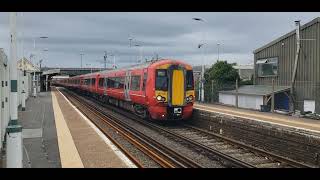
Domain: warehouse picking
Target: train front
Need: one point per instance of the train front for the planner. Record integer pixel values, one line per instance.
(173, 91)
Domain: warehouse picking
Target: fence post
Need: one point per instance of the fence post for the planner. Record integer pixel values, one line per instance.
(272, 97)
(237, 104)
(212, 82)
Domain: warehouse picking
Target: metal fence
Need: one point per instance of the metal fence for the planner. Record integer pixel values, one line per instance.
(211, 90)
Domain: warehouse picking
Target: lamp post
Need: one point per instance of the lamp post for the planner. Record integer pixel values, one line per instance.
(46, 83)
(202, 67)
(130, 40)
(81, 54)
(105, 60)
(35, 80)
(140, 52)
(114, 60)
(218, 44)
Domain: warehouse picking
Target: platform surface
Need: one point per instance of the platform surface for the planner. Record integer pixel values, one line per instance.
(93, 148)
(55, 135)
(279, 119)
(40, 145)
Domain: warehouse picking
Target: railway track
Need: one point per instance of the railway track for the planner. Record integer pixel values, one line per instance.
(231, 153)
(162, 155)
(255, 157)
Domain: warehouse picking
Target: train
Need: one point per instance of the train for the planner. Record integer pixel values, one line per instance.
(156, 90)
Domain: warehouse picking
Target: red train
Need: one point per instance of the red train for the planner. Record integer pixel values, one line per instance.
(160, 90)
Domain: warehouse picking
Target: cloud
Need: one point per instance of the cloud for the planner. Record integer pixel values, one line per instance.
(168, 34)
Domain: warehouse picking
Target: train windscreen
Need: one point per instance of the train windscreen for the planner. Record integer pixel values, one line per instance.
(189, 78)
(161, 80)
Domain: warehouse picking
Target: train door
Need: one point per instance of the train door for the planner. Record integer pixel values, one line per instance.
(127, 82)
(177, 87)
(105, 86)
(96, 83)
(144, 82)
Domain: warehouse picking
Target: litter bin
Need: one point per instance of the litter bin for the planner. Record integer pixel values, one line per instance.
(265, 108)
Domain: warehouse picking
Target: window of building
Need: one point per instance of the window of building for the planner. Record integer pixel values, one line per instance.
(267, 67)
(161, 80)
(135, 83)
(189, 78)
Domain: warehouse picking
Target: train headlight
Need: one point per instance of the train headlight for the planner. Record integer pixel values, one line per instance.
(189, 98)
(159, 98)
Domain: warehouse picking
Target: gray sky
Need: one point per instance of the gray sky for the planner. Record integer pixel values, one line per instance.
(171, 35)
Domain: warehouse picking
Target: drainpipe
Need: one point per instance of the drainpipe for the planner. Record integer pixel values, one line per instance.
(294, 74)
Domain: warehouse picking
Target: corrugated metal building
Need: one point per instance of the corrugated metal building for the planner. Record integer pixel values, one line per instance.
(276, 59)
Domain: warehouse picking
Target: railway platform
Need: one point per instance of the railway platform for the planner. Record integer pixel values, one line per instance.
(55, 134)
(263, 117)
(291, 137)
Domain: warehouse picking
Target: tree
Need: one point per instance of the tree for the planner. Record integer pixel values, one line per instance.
(223, 76)
(222, 72)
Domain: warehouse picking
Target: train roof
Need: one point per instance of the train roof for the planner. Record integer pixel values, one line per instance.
(136, 66)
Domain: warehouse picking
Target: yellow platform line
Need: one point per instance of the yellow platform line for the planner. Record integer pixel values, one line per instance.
(69, 154)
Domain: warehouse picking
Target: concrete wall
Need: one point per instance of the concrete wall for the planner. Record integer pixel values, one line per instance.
(308, 72)
(296, 144)
(244, 101)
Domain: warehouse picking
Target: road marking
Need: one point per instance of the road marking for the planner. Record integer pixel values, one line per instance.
(117, 151)
(69, 154)
(250, 117)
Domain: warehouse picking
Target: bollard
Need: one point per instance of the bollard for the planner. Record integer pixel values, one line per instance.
(23, 104)
(14, 146)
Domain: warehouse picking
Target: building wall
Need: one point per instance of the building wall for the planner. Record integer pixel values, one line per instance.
(244, 101)
(245, 74)
(1, 101)
(4, 95)
(250, 101)
(307, 84)
(228, 99)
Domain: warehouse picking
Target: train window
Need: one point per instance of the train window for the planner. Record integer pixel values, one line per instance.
(144, 81)
(87, 81)
(121, 82)
(135, 83)
(110, 82)
(93, 81)
(101, 82)
(190, 82)
(161, 80)
(116, 82)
